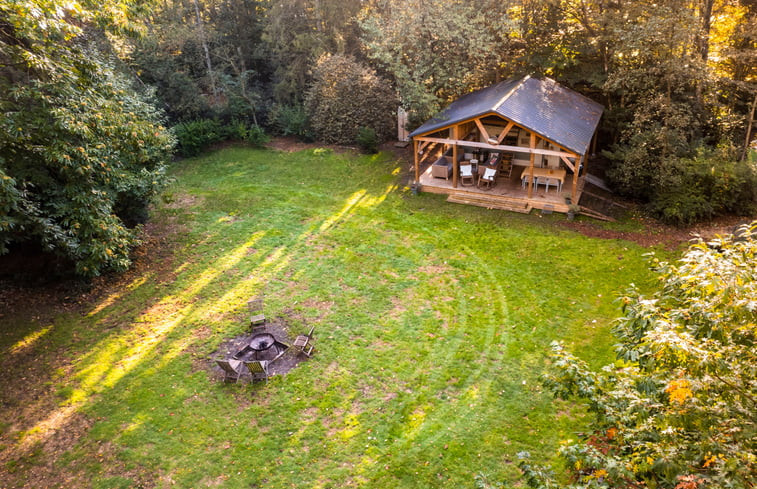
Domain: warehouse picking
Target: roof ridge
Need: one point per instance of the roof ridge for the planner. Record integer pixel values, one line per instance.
(511, 91)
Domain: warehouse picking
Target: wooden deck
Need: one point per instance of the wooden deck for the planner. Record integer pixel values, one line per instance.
(507, 194)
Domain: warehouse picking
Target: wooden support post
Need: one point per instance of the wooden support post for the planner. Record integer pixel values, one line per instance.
(455, 164)
(574, 193)
(532, 145)
(415, 157)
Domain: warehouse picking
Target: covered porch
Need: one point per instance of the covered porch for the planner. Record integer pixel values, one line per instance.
(507, 193)
(527, 140)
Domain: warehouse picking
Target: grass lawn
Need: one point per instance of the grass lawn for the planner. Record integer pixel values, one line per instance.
(433, 321)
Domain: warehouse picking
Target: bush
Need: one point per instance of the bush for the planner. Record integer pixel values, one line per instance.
(368, 140)
(703, 187)
(236, 130)
(194, 136)
(660, 131)
(81, 155)
(291, 120)
(677, 410)
(346, 96)
(256, 137)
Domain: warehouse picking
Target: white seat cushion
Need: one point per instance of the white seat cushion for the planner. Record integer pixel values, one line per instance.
(489, 173)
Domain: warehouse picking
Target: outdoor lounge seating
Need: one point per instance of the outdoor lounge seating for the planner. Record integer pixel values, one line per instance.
(488, 178)
(442, 168)
(232, 369)
(466, 175)
(258, 369)
(304, 343)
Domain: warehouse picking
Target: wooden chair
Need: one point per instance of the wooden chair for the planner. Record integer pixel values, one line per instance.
(466, 175)
(257, 318)
(258, 369)
(304, 343)
(232, 369)
(488, 178)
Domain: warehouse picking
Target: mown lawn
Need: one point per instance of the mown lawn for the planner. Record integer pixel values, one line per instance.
(433, 321)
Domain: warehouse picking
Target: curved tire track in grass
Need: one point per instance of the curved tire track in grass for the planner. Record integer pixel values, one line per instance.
(444, 418)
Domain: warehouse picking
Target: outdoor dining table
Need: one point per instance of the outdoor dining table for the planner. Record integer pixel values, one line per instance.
(557, 173)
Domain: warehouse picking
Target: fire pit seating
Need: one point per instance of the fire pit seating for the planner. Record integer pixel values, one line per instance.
(258, 370)
(262, 346)
(232, 369)
(304, 343)
(257, 318)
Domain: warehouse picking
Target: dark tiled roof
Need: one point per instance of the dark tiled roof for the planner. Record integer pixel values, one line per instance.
(542, 106)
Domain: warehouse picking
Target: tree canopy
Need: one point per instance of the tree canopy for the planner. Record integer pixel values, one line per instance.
(81, 152)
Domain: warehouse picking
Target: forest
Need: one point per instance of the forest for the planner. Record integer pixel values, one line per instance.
(98, 96)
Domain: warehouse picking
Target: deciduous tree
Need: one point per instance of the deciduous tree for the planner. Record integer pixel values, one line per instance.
(679, 410)
(81, 152)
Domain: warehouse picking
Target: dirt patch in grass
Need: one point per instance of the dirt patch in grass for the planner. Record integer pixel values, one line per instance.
(292, 145)
(657, 234)
(279, 328)
(182, 201)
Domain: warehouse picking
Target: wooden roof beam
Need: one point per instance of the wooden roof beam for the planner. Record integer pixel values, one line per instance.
(498, 147)
(481, 128)
(568, 163)
(507, 129)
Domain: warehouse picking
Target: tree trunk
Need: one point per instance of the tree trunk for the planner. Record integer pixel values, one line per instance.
(749, 128)
(705, 13)
(205, 48)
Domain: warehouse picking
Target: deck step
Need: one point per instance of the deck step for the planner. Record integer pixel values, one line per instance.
(490, 203)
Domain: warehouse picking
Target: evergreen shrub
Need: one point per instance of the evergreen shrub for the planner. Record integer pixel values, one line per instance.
(291, 120)
(346, 96)
(257, 137)
(703, 187)
(195, 136)
(368, 140)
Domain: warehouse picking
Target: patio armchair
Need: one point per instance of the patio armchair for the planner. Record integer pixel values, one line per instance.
(488, 179)
(258, 369)
(232, 369)
(466, 175)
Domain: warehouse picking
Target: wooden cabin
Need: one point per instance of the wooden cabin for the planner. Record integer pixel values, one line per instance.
(534, 137)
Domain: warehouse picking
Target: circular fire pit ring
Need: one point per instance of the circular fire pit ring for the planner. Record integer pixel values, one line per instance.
(262, 341)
